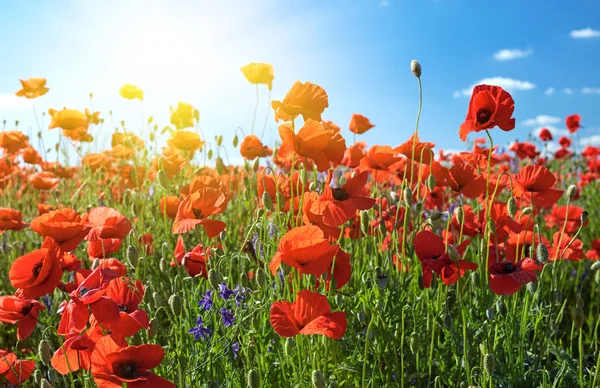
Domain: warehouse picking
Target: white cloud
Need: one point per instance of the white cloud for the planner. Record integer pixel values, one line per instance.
(12, 102)
(585, 33)
(508, 84)
(568, 91)
(541, 120)
(510, 54)
(587, 90)
(593, 140)
(549, 91)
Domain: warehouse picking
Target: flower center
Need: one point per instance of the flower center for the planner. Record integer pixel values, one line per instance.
(507, 267)
(483, 116)
(128, 370)
(123, 308)
(35, 271)
(198, 213)
(340, 194)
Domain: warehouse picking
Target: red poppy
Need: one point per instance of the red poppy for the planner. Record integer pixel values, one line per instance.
(416, 150)
(195, 260)
(572, 123)
(379, 161)
(524, 150)
(197, 207)
(63, 225)
(536, 183)
(11, 219)
(128, 294)
(569, 216)
(545, 134)
(15, 371)
(563, 153)
(106, 222)
(354, 154)
(359, 124)
(37, 273)
(332, 233)
(309, 314)
(590, 152)
(522, 242)
(306, 249)
(466, 181)
(114, 365)
(506, 277)
(74, 354)
(563, 248)
(594, 253)
(22, 311)
(169, 204)
(103, 248)
(479, 157)
(431, 251)
(565, 142)
(340, 270)
(490, 106)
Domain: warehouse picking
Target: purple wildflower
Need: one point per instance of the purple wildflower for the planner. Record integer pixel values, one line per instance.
(228, 318)
(206, 302)
(235, 348)
(225, 292)
(200, 331)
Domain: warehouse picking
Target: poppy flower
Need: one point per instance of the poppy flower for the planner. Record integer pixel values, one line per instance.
(31, 156)
(562, 153)
(128, 294)
(354, 154)
(170, 204)
(63, 225)
(44, 208)
(259, 73)
(306, 249)
(252, 148)
(569, 216)
(466, 181)
(545, 134)
(69, 120)
(15, 371)
(590, 152)
(197, 207)
(315, 142)
(103, 248)
(360, 124)
(431, 252)
(339, 204)
(309, 314)
(332, 233)
(127, 139)
(563, 248)
(32, 87)
(340, 270)
(479, 157)
(506, 277)
(13, 141)
(37, 273)
(306, 99)
(185, 141)
(74, 354)
(44, 180)
(416, 150)
(379, 161)
(536, 183)
(11, 219)
(564, 142)
(114, 365)
(331, 125)
(184, 116)
(106, 222)
(490, 106)
(92, 117)
(518, 245)
(195, 260)
(572, 123)
(172, 161)
(524, 150)
(22, 311)
(130, 92)
(594, 253)
(69, 262)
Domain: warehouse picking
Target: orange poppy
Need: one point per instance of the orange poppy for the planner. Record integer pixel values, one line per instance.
(37, 273)
(68, 119)
(306, 249)
(331, 125)
(15, 371)
(74, 354)
(63, 225)
(536, 183)
(490, 106)
(106, 222)
(22, 311)
(259, 73)
(31, 156)
(11, 219)
(44, 180)
(33, 88)
(96, 161)
(170, 204)
(306, 99)
(252, 148)
(196, 207)
(13, 141)
(359, 124)
(92, 117)
(315, 142)
(332, 233)
(379, 162)
(414, 149)
(128, 294)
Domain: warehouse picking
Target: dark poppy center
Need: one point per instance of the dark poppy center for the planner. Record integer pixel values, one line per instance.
(507, 267)
(123, 308)
(483, 116)
(340, 194)
(435, 257)
(128, 370)
(35, 271)
(198, 213)
(83, 291)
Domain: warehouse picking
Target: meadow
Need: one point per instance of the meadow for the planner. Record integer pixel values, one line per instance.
(321, 261)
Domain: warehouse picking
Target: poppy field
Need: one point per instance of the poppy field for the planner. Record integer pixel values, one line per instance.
(320, 261)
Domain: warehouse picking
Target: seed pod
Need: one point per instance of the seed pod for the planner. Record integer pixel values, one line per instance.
(584, 216)
(235, 141)
(526, 211)
(44, 352)
(261, 277)
(407, 197)
(571, 191)
(415, 67)
(38, 376)
(213, 279)
(256, 164)
(489, 363)
(163, 179)
(153, 329)
(435, 216)
(95, 264)
(288, 347)
(542, 253)
(532, 287)
(578, 317)
(339, 299)
(318, 380)
(511, 206)
(163, 265)
(490, 314)
(219, 140)
(430, 182)
(158, 299)
(267, 201)
(133, 255)
(175, 304)
(253, 379)
(595, 266)
(244, 281)
(414, 343)
(53, 376)
(394, 197)
(454, 254)
(45, 383)
(459, 214)
(364, 222)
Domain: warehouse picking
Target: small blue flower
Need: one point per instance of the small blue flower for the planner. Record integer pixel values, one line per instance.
(225, 292)
(206, 302)
(200, 331)
(228, 318)
(235, 348)
(240, 294)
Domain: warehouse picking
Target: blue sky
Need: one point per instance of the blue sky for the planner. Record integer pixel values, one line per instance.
(545, 53)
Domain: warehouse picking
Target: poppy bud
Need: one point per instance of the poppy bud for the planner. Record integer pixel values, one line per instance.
(339, 299)
(595, 266)
(407, 196)
(414, 342)
(435, 216)
(526, 211)
(454, 254)
(153, 329)
(260, 213)
(253, 379)
(95, 264)
(267, 201)
(318, 380)
(312, 186)
(430, 182)
(459, 214)
(45, 383)
(256, 164)
(163, 265)
(209, 154)
(44, 352)
(288, 348)
(542, 253)
(364, 222)
(175, 304)
(490, 314)
(219, 140)
(597, 277)
(511, 206)
(578, 317)
(235, 141)
(383, 228)
(158, 299)
(133, 255)
(213, 279)
(489, 363)
(584, 216)
(261, 277)
(163, 179)
(394, 197)
(571, 191)
(53, 376)
(37, 376)
(532, 287)
(415, 67)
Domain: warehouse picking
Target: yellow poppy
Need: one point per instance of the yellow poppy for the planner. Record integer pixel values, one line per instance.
(68, 119)
(259, 73)
(184, 115)
(33, 88)
(185, 140)
(130, 92)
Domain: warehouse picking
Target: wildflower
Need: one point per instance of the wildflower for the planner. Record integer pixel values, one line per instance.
(11, 219)
(184, 116)
(252, 148)
(197, 207)
(565, 248)
(572, 123)
(536, 183)
(106, 222)
(416, 150)
(22, 311)
(259, 73)
(37, 273)
(490, 106)
(235, 349)
(240, 294)
(306, 99)
(15, 371)
(169, 205)
(130, 92)
(228, 318)
(127, 294)
(200, 331)
(206, 303)
(63, 225)
(379, 161)
(545, 134)
(360, 124)
(506, 278)
(225, 292)
(13, 141)
(32, 88)
(74, 354)
(185, 141)
(44, 180)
